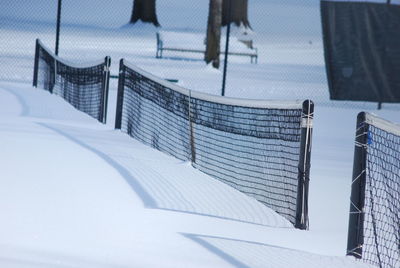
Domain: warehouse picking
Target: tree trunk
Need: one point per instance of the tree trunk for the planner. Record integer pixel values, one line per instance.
(213, 33)
(144, 10)
(238, 12)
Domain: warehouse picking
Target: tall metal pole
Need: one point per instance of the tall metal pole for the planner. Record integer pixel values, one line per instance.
(228, 31)
(355, 238)
(58, 26)
(307, 117)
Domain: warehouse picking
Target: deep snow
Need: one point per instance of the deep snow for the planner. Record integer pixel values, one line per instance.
(75, 193)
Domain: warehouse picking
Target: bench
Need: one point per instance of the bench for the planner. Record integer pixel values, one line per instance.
(195, 43)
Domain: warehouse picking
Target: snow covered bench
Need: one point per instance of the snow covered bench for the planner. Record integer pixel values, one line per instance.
(195, 43)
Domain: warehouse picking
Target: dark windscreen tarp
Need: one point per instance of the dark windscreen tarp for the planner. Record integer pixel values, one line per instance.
(362, 50)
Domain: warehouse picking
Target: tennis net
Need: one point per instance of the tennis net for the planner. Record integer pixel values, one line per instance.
(260, 148)
(84, 86)
(374, 225)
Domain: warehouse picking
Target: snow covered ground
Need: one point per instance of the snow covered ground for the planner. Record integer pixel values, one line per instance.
(75, 193)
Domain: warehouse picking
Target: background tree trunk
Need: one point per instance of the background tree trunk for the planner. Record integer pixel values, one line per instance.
(213, 33)
(144, 10)
(238, 12)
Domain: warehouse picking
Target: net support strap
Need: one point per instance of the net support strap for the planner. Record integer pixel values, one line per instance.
(191, 130)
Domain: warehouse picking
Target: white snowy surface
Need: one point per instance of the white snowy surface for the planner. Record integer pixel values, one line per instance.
(75, 193)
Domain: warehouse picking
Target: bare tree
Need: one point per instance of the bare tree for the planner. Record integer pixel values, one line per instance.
(213, 33)
(238, 12)
(144, 10)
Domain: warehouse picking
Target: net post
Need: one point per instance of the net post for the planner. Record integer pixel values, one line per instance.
(120, 94)
(304, 165)
(58, 25)
(105, 87)
(355, 237)
(36, 64)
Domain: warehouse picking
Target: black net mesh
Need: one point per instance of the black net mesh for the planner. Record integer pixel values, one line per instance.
(255, 150)
(85, 88)
(382, 199)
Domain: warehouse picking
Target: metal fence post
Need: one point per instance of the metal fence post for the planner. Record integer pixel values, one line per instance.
(105, 86)
(355, 238)
(228, 31)
(36, 64)
(120, 94)
(304, 165)
(58, 26)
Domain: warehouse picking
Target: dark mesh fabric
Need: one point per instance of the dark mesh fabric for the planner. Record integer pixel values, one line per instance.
(85, 88)
(382, 199)
(255, 150)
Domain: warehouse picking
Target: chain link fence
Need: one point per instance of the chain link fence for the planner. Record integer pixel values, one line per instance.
(287, 36)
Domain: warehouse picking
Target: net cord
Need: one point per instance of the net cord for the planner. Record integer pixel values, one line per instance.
(383, 124)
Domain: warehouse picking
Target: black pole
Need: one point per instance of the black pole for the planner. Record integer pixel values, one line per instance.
(36, 64)
(355, 238)
(120, 94)
(304, 165)
(105, 87)
(228, 32)
(58, 26)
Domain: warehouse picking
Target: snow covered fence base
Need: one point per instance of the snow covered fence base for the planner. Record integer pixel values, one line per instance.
(261, 148)
(84, 86)
(374, 225)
